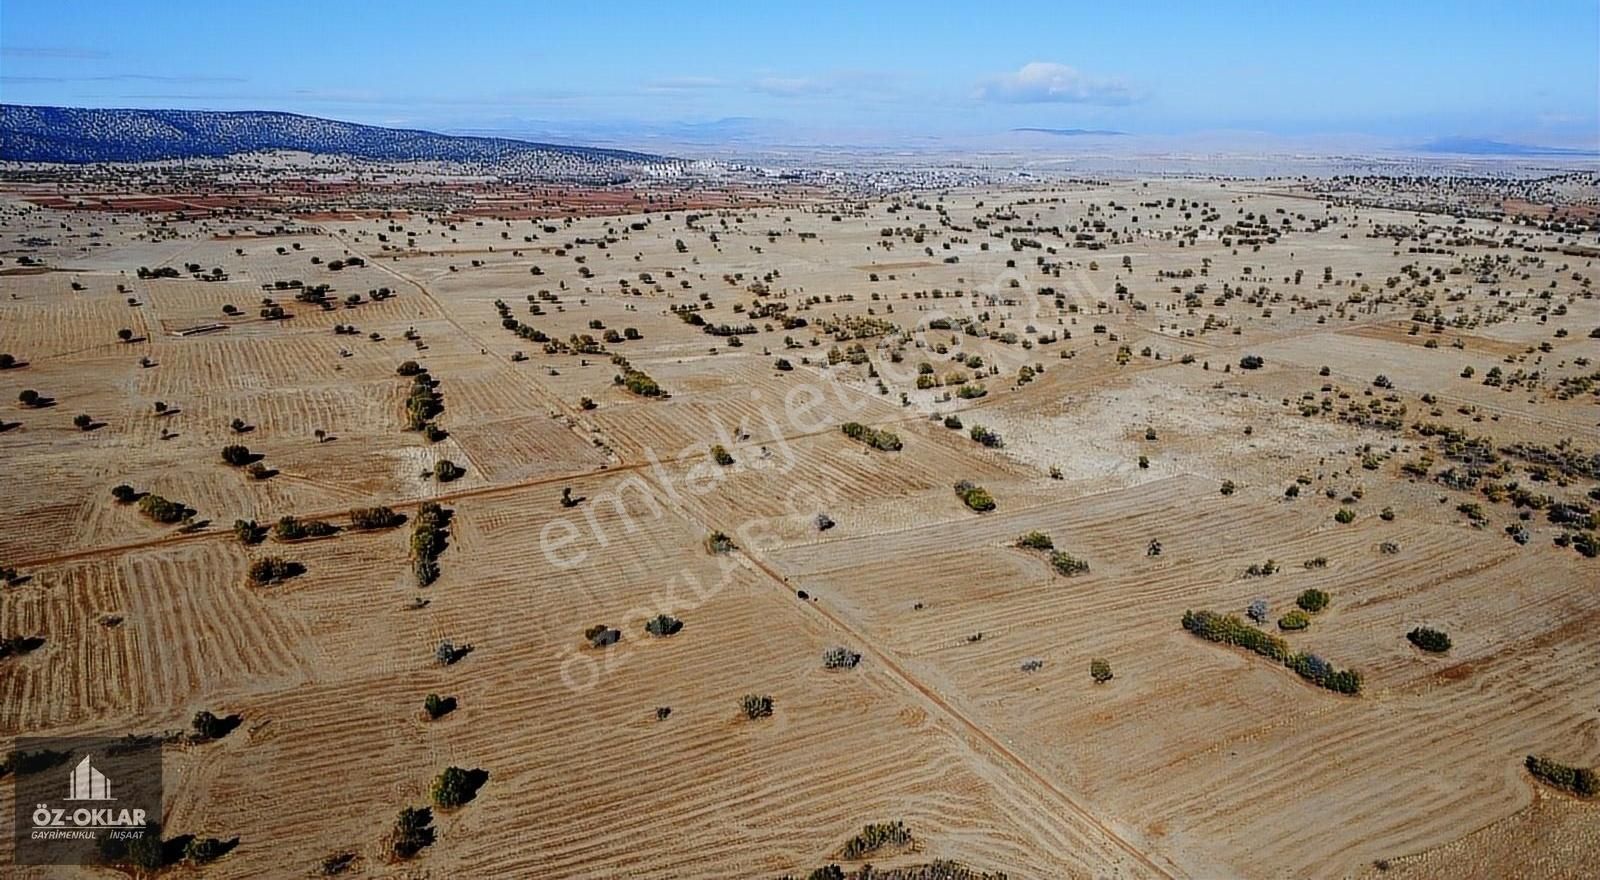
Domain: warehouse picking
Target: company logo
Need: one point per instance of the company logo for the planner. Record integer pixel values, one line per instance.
(88, 784)
(111, 798)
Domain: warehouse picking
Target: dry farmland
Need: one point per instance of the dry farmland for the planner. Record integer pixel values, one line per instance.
(1206, 395)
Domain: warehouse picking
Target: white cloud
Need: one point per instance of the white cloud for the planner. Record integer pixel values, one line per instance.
(791, 86)
(685, 84)
(1046, 82)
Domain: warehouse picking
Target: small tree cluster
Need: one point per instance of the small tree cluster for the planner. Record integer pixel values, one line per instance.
(886, 441)
(368, 518)
(290, 528)
(1261, 569)
(840, 657)
(423, 403)
(429, 537)
(876, 836)
(237, 455)
(273, 570)
(413, 830)
(638, 382)
(161, 510)
(1230, 630)
(986, 437)
(248, 532)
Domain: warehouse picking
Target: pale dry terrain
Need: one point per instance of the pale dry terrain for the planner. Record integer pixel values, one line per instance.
(1114, 374)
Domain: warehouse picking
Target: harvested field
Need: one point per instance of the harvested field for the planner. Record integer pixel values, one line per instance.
(1281, 404)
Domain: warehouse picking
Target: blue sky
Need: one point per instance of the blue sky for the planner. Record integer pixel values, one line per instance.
(1528, 72)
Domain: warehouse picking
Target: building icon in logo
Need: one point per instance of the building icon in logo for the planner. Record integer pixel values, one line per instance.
(88, 784)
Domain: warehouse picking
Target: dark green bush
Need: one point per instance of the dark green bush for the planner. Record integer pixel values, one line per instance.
(1580, 781)
(367, 518)
(1036, 541)
(1312, 600)
(662, 625)
(975, 497)
(1429, 639)
(874, 837)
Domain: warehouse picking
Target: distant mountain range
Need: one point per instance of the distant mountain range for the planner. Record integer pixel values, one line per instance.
(1073, 132)
(77, 135)
(1466, 146)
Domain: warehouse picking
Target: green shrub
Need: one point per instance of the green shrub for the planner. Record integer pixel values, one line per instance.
(1100, 670)
(445, 470)
(717, 542)
(236, 455)
(1429, 639)
(437, 707)
(1294, 620)
(124, 494)
(455, 786)
(1312, 600)
(1580, 781)
(161, 510)
(1345, 516)
(248, 532)
(755, 706)
(662, 625)
(975, 497)
(273, 570)
(1036, 541)
(289, 528)
(1067, 564)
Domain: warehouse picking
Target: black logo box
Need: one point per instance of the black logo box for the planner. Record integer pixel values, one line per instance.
(114, 820)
